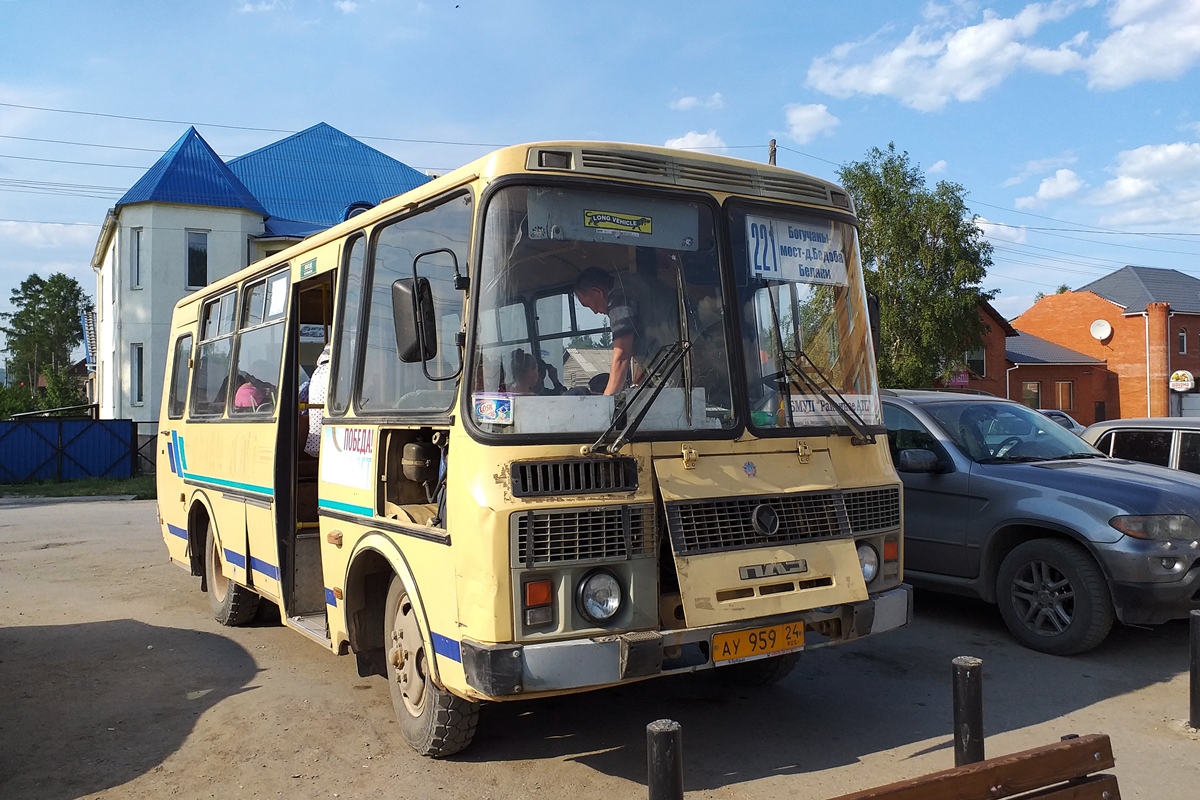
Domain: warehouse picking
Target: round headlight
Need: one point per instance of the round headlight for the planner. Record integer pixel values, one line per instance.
(599, 597)
(868, 559)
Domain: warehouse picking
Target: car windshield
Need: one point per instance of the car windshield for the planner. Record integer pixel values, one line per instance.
(586, 297)
(999, 432)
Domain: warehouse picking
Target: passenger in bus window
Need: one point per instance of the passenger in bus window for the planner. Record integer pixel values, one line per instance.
(642, 312)
(527, 377)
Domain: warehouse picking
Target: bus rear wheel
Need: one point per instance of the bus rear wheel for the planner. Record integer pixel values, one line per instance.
(434, 722)
(231, 604)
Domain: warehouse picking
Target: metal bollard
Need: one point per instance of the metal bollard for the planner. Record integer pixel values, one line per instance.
(968, 710)
(1194, 627)
(664, 759)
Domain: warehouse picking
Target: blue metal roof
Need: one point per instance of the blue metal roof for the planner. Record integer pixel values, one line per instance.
(190, 172)
(312, 177)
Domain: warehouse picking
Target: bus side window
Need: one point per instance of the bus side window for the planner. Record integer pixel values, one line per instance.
(260, 346)
(346, 332)
(210, 387)
(388, 384)
(179, 376)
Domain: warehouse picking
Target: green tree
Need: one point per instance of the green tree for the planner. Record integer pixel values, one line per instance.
(925, 257)
(44, 327)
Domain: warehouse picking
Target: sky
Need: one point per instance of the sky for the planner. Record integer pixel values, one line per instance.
(1073, 127)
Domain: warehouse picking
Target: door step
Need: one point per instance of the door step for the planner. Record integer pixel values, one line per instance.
(314, 626)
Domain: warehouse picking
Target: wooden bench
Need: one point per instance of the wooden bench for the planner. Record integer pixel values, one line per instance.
(1063, 771)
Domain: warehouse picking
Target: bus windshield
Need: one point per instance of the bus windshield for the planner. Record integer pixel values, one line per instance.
(803, 319)
(580, 290)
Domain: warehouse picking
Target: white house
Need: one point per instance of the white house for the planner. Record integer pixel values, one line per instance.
(192, 219)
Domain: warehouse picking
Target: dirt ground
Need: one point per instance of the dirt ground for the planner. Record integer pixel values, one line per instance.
(115, 682)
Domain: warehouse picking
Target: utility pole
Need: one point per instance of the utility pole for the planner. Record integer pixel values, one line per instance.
(771, 153)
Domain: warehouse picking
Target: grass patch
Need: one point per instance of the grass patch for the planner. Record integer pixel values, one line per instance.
(141, 487)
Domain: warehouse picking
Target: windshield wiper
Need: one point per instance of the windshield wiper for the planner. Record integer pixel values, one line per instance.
(1077, 455)
(1012, 459)
(856, 424)
(660, 367)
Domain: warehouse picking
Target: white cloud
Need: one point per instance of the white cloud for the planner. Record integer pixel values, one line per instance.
(1040, 166)
(697, 141)
(48, 235)
(711, 103)
(949, 57)
(805, 122)
(1154, 40)
(1153, 185)
(938, 167)
(263, 5)
(1000, 232)
(932, 67)
(1062, 183)
(346, 6)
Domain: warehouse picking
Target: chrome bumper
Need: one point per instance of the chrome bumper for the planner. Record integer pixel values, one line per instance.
(507, 670)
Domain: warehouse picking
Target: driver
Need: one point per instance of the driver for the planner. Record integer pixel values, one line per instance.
(643, 313)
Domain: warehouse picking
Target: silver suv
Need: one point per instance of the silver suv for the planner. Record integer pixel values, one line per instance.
(1002, 503)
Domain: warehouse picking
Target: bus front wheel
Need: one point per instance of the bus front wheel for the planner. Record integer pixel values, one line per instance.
(231, 604)
(433, 721)
(763, 672)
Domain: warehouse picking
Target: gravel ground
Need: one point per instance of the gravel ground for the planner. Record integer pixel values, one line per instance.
(115, 682)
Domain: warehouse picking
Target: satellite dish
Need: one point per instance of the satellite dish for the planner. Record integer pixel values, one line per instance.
(1100, 330)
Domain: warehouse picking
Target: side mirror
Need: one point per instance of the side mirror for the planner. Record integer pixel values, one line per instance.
(412, 314)
(916, 461)
(873, 320)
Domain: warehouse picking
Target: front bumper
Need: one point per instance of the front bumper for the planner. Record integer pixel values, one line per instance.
(1152, 581)
(501, 671)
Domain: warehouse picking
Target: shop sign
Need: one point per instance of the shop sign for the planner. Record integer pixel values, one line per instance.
(1182, 381)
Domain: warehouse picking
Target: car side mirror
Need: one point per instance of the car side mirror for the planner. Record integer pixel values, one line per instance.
(873, 320)
(916, 461)
(412, 315)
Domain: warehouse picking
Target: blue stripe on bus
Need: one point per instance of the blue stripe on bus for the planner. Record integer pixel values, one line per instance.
(330, 597)
(270, 570)
(237, 559)
(175, 530)
(445, 646)
(334, 505)
(171, 457)
(182, 453)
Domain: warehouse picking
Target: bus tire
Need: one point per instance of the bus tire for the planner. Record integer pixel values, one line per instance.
(434, 722)
(231, 604)
(763, 672)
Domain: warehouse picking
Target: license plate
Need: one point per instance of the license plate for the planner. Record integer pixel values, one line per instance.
(728, 648)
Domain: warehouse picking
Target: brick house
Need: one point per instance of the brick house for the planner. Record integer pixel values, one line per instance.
(1143, 322)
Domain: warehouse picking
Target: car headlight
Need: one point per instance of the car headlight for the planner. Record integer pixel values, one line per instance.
(868, 559)
(1159, 527)
(599, 596)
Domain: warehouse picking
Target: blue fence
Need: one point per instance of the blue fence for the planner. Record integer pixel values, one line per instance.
(67, 449)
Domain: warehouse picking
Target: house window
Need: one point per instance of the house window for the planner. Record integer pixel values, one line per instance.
(1182, 341)
(977, 362)
(1031, 393)
(1065, 394)
(197, 259)
(137, 381)
(135, 259)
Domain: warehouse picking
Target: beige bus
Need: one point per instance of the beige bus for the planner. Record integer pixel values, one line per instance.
(574, 415)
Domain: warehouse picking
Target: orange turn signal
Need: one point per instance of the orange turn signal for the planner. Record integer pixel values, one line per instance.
(891, 550)
(538, 593)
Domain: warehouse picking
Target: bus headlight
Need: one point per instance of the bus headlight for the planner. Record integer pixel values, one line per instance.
(868, 559)
(599, 596)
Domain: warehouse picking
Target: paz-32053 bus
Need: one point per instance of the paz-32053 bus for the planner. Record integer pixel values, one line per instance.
(582, 414)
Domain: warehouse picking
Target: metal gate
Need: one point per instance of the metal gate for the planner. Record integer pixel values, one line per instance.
(67, 449)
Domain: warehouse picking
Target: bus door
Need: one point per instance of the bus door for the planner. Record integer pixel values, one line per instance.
(172, 492)
(302, 409)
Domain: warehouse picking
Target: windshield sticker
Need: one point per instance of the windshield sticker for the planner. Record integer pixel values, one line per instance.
(815, 409)
(792, 251)
(611, 221)
(493, 409)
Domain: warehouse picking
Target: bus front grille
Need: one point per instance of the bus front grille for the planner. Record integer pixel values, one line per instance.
(573, 476)
(709, 526)
(583, 534)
